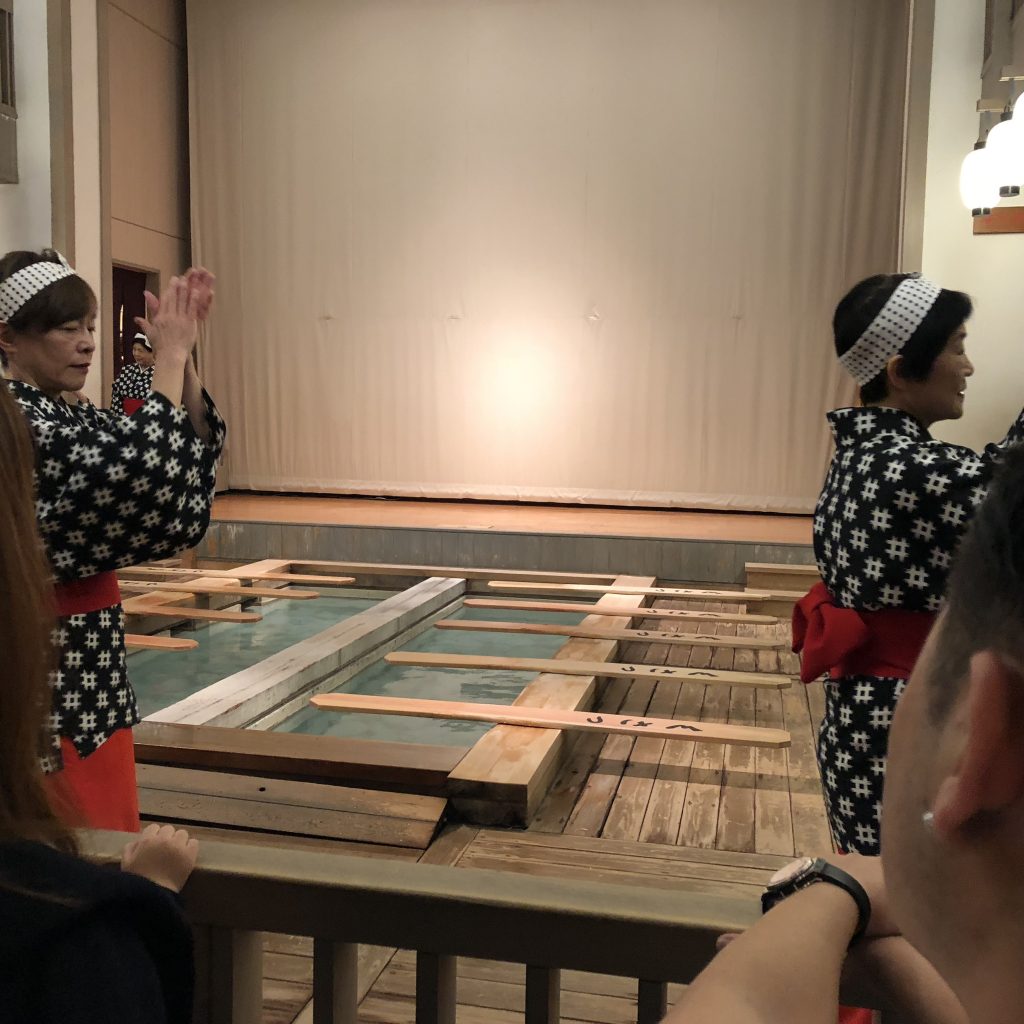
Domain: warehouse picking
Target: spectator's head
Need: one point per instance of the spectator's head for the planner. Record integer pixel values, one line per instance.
(924, 369)
(26, 621)
(142, 351)
(47, 322)
(953, 823)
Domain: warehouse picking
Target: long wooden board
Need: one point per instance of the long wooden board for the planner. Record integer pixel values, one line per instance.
(141, 607)
(553, 718)
(634, 613)
(234, 574)
(556, 666)
(741, 596)
(213, 588)
(159, 643)
(649, 636)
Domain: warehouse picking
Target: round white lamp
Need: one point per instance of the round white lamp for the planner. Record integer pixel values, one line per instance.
(979, 189)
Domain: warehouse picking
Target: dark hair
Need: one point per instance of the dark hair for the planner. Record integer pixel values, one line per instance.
(58, 303)
(864, 301)
(26, 619)
(985, 592)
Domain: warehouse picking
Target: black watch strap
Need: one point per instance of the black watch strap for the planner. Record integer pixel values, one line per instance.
(821, 870)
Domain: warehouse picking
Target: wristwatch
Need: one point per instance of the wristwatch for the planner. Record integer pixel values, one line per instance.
(804, 872)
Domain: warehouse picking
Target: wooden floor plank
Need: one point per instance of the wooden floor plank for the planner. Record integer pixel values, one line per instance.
(774, 815)
(699, 823)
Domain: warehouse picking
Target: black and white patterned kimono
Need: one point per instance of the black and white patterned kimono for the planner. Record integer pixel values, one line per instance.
(887, 524)
(111, 491)
(133, 381)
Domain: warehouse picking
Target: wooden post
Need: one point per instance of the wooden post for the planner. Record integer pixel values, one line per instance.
(335, 982)
(652, 1001)
(236, 976)
(543, 995)
(435, 988)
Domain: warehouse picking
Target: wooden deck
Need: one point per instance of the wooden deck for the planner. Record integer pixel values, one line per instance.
(646, 812)
(699, 795)
(494, 993)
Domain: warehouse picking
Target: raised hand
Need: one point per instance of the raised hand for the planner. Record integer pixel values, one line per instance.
(173, 322)
(163, 854)
(200, 283)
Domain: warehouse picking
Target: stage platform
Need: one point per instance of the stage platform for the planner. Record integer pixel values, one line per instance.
(691, 546)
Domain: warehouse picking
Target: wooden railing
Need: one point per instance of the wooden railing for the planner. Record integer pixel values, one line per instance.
(655, 936)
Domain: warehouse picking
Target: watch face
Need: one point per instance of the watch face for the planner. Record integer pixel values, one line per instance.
(790, 872)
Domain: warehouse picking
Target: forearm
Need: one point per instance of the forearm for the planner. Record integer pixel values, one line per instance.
(891, 976)
(169, 374)
(784, 970)
(195, 404)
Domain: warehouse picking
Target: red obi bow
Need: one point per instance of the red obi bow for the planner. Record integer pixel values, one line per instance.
(76, 597)
(846, 642)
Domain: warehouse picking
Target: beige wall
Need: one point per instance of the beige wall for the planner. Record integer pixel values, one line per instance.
(987, 266)
(149, 215)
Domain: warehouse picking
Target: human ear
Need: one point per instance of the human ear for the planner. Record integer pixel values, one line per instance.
(988, 778)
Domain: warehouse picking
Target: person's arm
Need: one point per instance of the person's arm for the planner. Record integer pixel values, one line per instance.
(177, 313)
(889, 975)
(784, 970)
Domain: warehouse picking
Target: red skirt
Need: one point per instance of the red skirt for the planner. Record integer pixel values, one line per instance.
(98, 791)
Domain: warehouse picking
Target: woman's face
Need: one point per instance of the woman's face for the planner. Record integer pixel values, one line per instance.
(142, 355)
(56, 360)
(940, 396)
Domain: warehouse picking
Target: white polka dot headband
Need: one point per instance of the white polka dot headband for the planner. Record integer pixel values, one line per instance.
(28, 282)
(894, 326)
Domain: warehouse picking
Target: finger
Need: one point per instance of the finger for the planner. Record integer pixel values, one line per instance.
(151, 830)
(181, 837)
(192, 304)
(143, 325)
(724, 940)
(152, 303)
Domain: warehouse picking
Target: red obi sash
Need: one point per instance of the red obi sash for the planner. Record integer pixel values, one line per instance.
(77, 597)
(132, 405)
(846, 642)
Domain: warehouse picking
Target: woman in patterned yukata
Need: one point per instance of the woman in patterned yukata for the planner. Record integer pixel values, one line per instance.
(893, 508)
(111, 491)
(135, 381)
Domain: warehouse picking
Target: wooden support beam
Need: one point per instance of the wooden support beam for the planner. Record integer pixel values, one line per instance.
(543, 995)
(146, 572)
(159, 643)
(213, 588)
(740, 596)
(435, 988)
(633, 613)
(556, 666)
(553, 718)
(140, 607)
(650, 636)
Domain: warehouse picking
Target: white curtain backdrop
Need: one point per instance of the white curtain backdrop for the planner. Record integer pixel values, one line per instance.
(563, 250)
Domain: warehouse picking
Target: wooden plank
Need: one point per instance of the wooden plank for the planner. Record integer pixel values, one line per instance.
(414, 767)
(649, 636)
(140, 641)
(736, 812)
(284, 593)
(664, 811)
(506, 775)
(588, 668)
(629, 805)
(596, 609)
(774, 816)
(698, 825)
(139, 606)
(547, 718)
(739, 596)
(311, 795)
(457, 572)
(142, 573)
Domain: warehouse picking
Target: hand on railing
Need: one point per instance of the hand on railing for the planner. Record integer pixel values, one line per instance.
(163, 854)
